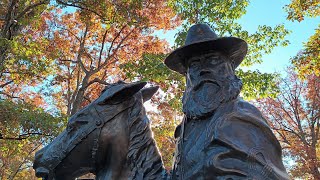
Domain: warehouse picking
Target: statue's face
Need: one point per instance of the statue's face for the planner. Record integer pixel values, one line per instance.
(208, 66)
(208, 81)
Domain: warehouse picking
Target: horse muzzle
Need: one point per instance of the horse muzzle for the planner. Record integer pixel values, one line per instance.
(42, 172)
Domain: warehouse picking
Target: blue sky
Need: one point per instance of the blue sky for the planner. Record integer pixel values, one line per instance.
(271, 13)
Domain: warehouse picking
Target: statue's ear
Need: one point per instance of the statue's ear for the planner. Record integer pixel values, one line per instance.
(147, 93)
(121, 94)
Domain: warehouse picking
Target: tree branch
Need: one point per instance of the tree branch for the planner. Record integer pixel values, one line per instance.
(68, 30)
(87, 98)
(31, 7)
(114, 39)
(115, 50)
(24, 161)
(102, 46)
(94, 81)
(81, 50)
(23, 136)
(7, 83)
(11, 96)
(81, 7)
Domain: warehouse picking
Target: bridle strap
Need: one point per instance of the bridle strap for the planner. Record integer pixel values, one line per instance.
(99, 124)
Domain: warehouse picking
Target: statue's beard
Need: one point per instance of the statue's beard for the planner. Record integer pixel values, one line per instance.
(204, 98)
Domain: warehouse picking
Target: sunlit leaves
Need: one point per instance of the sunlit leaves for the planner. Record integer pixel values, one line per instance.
(307, 61)
(209, 10)
(257, 84)
(299, 9)
(23, 129)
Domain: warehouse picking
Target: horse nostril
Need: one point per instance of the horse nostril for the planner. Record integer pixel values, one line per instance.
(42, 172)
(38, 154)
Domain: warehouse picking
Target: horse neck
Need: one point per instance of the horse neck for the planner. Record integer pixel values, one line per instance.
(143, 156)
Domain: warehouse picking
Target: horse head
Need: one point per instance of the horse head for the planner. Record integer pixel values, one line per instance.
(98, 137)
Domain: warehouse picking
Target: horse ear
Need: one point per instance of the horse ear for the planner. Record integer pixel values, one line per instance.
(147, 93)
(123, 93)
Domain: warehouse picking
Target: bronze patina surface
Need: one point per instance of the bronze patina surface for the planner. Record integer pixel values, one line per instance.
(220, 137)
(110, 138)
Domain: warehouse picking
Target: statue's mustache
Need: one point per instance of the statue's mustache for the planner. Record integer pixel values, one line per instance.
(203, 81)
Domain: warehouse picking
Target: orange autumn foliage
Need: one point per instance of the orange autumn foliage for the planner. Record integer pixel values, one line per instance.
(294, 115)
(91, 51)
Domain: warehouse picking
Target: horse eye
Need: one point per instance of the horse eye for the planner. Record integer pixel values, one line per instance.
(82, 122)
(69, 128)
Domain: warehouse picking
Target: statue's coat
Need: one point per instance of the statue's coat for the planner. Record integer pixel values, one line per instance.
(234, 142)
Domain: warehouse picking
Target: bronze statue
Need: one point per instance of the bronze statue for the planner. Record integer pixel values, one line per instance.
(221, 136)
(110, 137)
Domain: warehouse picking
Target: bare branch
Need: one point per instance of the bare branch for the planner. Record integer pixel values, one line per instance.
(68, 60)
(81, 50)
(68, 30)
(87, 98)
(5, 84)
(114, 39)
(106, 63)
(102, 46)
(96, 80)
(23, 136)
(11, 96)
(81, 7)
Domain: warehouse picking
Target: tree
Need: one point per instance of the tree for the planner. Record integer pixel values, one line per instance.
(90, 49)
(70, 56)
(24, 126)
(24, 129)
(307, 61)
(294, 115)
(14, 17)
(299, 9)
(74, 52)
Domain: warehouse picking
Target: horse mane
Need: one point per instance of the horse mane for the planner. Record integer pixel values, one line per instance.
(143, 155)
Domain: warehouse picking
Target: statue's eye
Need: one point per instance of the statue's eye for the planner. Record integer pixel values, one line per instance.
(216, 61)
(81, 114)
(194, 62)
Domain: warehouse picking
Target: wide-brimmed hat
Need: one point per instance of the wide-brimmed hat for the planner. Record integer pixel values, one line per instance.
(201, 39)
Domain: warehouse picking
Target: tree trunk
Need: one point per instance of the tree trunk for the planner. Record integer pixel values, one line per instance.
(315, 172)
(79, 98)
(314, 166)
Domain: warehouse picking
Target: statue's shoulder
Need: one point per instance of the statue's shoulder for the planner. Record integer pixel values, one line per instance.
(246, 107)
(244, 123)
(242, 109)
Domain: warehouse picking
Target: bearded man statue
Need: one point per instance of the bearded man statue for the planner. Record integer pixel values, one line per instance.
(221, 136)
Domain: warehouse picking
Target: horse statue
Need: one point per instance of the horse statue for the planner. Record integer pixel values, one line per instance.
(111, 138)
